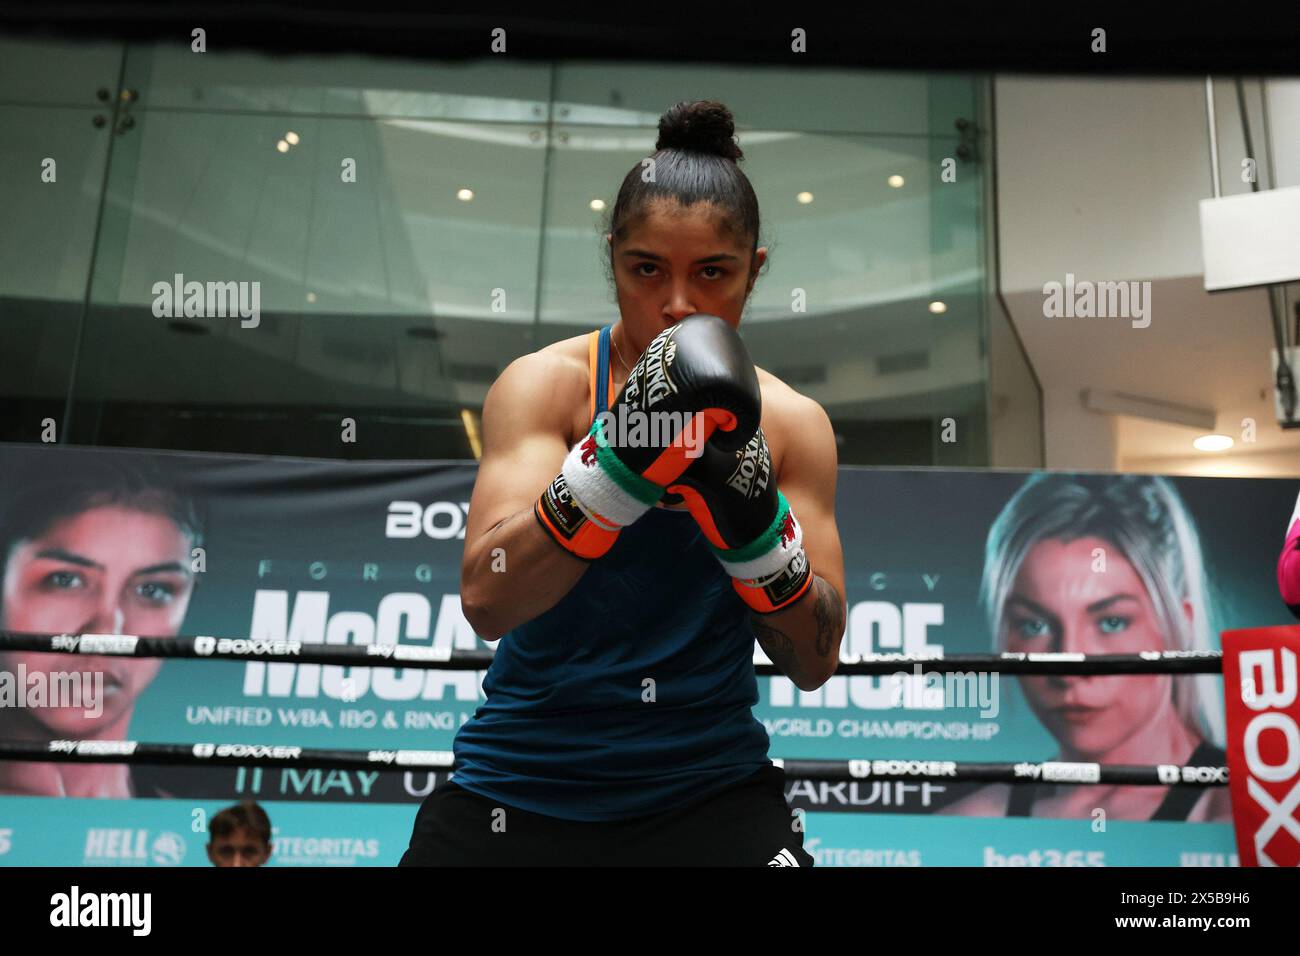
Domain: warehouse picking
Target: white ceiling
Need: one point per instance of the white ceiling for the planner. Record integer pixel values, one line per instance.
(1101, 179)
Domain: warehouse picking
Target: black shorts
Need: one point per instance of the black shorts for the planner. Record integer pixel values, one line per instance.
(746, 824)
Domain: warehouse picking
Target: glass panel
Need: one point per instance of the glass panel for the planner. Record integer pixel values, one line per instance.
(1015, 399)
(49, 72)
(867, 256)
(332, 188)
(1016, 432)
(52, 160)
(174, 78)
(353, 281)
(821, 100)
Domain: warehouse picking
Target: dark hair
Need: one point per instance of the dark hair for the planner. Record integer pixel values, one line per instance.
(694, 161)
(247, 815)
(50, 489)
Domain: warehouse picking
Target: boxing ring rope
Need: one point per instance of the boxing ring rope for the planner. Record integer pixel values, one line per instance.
(436, 658)
(429, 658)
(279, 755)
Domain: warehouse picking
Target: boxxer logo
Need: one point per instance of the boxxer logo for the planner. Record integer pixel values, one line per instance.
(751, 474)
(442, 520)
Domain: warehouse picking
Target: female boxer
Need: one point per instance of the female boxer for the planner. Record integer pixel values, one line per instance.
(627, 581)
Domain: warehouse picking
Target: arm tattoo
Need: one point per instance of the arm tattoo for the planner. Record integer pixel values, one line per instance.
(829, 614)
(776, 644)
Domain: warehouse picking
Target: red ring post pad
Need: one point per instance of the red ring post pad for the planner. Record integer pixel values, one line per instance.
(1261, 690)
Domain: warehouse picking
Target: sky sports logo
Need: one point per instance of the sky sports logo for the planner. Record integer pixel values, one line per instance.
(76, 909)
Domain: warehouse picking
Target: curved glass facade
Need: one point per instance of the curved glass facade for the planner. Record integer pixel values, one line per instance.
(388, 298)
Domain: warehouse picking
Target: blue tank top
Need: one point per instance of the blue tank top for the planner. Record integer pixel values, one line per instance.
(573, 727)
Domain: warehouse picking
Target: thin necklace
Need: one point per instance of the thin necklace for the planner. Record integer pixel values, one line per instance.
(619, 353)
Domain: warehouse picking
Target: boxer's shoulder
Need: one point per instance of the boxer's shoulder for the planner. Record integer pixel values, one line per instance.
(786, 412)
(553, 380)
(569, 363)
(568, 354)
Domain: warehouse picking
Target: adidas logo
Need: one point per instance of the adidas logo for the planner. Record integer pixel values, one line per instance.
(784, 858)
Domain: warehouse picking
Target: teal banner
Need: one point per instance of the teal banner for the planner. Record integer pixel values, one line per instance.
(106, 541)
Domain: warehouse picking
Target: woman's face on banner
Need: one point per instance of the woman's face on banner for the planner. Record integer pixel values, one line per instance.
(1068, 598)
(106, 570)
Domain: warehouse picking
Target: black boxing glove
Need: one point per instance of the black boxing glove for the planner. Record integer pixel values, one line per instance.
(693, 384)
(734, 499)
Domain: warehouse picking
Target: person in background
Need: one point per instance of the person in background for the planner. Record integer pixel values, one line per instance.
(240, 835)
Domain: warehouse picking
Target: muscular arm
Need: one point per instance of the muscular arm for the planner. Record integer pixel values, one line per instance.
(512, 571)
(803, 640)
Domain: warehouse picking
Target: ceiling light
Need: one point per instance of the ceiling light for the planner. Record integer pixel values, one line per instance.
(938, 308)
(804, 197)
(464, 195)
(896, 181)
(1213, 443)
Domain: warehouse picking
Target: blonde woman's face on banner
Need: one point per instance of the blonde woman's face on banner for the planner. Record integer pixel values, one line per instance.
(1083, 596)
(106, 570)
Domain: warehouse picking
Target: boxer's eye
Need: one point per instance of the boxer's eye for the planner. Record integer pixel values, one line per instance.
(1030, 627)
(65, 580)
(1114, 623)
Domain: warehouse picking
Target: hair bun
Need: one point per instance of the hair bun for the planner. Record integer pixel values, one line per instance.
(703, 126)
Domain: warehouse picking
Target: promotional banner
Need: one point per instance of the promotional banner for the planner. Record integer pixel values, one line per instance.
(105, 541)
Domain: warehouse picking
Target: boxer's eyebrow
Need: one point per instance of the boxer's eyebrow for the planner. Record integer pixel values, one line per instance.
(160, 568)
(68, 557)
(719, 257)
(1096, 606)
(1035, 608)
(58, 554)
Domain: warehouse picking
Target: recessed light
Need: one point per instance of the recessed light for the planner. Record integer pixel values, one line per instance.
(804, 197)
(597, 205)
(292, 137)
(464, 195)
(896, 181)
(1213, 443)
(938, 308)
(282, 146)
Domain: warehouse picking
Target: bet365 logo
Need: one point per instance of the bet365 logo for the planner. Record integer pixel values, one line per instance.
(443, 520)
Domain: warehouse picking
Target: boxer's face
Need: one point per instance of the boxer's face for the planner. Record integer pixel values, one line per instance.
(105, 570)
(1065, 600)
(675, 261)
